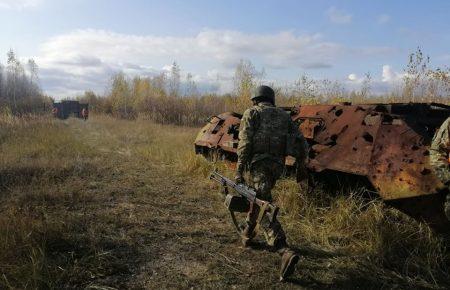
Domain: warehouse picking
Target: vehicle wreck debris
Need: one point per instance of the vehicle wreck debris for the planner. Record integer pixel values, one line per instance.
(386, 143)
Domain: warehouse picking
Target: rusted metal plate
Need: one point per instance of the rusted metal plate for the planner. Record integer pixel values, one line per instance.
(401, 164)
(378, 141)
(219, 133)
(345, 140)
(386, 143)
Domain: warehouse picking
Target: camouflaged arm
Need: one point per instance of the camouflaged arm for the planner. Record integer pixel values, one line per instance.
(246, 133)
(441, 142)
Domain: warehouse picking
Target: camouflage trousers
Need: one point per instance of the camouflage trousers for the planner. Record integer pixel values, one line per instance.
(263, 176)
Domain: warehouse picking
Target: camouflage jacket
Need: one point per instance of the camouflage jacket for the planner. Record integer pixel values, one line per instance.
(268, 133)
(439, 151)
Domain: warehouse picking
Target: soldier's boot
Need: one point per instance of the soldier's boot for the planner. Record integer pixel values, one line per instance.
(277, 238)
(288, 261)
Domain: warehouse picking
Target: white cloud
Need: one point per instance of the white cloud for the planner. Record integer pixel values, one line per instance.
(338, 16)
(352, 77)
(383, 18)
(90, 56)
(86, 59)
(390, 76)
(226, 47)
(19, 4)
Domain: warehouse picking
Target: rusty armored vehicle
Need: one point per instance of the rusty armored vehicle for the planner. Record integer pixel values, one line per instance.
(68, 108)
(385, 144)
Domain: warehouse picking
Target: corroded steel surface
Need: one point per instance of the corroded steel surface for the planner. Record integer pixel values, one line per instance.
(386, 143)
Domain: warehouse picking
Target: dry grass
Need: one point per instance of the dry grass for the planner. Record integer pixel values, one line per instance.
(380, 240)
(75, 196)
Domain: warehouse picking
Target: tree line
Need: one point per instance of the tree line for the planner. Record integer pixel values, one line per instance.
(20, 92)
(160, 99)
(170, 98)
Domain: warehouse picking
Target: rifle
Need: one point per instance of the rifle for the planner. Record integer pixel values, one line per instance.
(242, 202)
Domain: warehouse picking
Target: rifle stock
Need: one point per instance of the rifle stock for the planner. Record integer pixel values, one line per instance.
(246, 196)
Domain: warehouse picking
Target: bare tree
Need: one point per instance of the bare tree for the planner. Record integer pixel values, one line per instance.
(191, 86)
(174, 80)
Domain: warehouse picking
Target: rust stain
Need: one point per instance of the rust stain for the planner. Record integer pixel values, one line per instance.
(387, 143)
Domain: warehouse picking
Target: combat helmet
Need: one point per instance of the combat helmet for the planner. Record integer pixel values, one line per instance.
(264, 93)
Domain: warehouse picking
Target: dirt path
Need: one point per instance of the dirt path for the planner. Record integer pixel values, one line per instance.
(117, 211)
(113, 204)
(175, 231)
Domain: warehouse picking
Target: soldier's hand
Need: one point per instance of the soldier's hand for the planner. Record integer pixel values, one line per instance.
(239, 178)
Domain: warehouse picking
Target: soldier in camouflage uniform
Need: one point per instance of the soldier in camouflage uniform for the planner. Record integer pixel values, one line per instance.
(266, 134)
(440, 159)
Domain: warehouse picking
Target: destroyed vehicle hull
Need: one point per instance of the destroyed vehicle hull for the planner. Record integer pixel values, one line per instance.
(386, 143)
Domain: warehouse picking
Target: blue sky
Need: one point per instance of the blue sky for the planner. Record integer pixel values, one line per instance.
(79, 44)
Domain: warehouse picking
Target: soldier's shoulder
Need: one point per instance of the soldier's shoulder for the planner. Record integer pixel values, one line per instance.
(250, 112)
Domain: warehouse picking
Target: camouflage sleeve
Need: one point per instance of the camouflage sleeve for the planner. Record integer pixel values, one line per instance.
(441, 141)
(439, 152)
(246, 133)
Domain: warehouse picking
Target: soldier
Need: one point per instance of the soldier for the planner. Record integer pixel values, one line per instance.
(266, 135)
(440, 159)
(84, 113)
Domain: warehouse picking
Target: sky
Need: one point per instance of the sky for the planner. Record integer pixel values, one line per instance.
(79, 44)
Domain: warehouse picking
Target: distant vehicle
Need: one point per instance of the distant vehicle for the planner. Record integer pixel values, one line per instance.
(66, 109)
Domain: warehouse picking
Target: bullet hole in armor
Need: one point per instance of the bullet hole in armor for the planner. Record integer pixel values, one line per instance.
(344, 129)
(333, 139)
(368, 137)
(425, 171)
(426, 153)
(387, 119)
(234, 130)
(415, 147)
(355, 149)
(410, 161)
(374, 176)
(400, 179)
(378, 171)
(338, 112)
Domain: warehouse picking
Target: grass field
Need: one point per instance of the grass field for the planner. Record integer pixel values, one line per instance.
(113, 204)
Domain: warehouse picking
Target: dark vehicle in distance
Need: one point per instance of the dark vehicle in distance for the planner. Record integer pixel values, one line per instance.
(67, 108)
